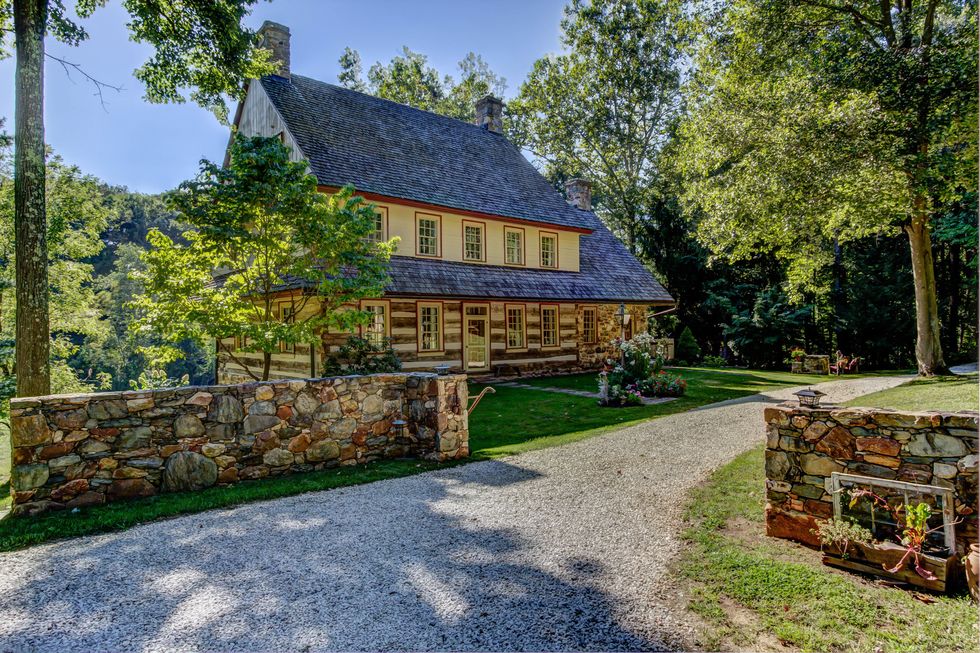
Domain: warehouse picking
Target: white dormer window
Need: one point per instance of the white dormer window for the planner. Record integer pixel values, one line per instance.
(473, 246)
(428, 228)
(514, 242)
(549, 250)
(380, 220)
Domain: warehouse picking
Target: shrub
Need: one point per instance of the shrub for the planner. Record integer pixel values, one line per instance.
(361, 356)
(638, 373)
(664, 384)
(620, 396)
(687, 347)
(714, 361)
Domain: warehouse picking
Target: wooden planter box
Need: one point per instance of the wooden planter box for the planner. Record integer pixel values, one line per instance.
(796, 367)
(875, 558)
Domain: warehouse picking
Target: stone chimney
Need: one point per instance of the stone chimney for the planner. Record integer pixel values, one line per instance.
(579, 193)
(490, 114)
(275, 37)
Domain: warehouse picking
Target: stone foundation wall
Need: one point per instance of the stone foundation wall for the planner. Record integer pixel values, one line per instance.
(805, 446)
(86, 449)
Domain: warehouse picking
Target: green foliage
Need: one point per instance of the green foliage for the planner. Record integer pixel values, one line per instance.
(604, 108)
(841, 533)
(362, 356)
(687, 347)
(410, 80)
(77, 214)
(262, 222)
(638, 372)
(714, 361)
(804, 127)
(760, 335)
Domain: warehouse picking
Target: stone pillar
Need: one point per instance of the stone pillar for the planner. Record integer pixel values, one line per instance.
(579, 193)
(275, 37)
(490, 114)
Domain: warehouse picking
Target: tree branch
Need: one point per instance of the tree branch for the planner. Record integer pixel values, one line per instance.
(98, 84)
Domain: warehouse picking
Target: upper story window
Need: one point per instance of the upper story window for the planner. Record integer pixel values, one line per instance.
(549, 250)
(430, 327)
(589, 320)
(376, 329)
(514, 245)
(428, 227)
(515, 327)
(380, 225)
(473, 241)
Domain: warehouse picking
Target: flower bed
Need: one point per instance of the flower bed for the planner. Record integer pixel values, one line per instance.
(638, 373)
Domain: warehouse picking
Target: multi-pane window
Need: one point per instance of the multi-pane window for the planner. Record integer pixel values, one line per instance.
(376, 330)
(287, 315)
(589, 325)
(549, 251)
(472, 242)
(378, 235)
(428, 236)
(430, 327)
(514, 245)
(549, 326)
(515, 327)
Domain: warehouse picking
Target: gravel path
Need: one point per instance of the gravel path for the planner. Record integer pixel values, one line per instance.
(555, 549)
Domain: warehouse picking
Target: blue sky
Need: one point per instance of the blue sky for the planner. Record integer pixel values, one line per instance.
(150, 147)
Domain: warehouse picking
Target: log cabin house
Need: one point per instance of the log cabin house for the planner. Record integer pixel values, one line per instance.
(495, 272)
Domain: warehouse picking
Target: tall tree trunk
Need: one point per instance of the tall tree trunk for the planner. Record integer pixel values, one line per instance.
(928, 350)
(32, 330)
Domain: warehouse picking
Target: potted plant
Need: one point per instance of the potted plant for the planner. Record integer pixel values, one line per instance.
(796, 356)
(912, 558)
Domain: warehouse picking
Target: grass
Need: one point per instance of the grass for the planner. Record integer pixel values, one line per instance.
(550, 419)
(936, 393)
(766, 594)
(509, 422)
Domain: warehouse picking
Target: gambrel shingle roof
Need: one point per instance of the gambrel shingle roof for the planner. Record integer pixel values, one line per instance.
(397, 151)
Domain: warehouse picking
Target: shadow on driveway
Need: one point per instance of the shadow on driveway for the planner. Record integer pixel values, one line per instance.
(391, 565)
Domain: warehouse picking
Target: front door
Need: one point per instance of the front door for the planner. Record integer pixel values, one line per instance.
(476, 344)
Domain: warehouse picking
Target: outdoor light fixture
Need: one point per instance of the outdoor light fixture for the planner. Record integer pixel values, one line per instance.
(399, 426)
(621, 314)
(809, 397)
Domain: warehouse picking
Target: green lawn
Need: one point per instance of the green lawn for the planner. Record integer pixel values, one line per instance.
(767, 594)
(511, 421)
(547, 419)
(937, 393)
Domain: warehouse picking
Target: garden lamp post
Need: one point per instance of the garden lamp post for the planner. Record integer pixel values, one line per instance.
(621, 314)
(809, 397)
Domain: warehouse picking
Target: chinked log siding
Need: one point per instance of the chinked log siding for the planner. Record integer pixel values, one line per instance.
(571, 352)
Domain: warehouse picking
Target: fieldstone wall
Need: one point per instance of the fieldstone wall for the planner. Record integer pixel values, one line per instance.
(805, 446)
(86, 449)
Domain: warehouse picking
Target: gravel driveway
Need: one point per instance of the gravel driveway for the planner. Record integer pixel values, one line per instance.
(555, 549)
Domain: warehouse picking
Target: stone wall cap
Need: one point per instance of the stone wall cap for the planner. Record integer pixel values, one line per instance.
(85, 397)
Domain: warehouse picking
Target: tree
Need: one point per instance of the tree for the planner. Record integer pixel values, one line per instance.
(687, 348)
(814, 122)
(77, 213)
(410, 80)
(198, 44)
(604, 110)
(260, 223)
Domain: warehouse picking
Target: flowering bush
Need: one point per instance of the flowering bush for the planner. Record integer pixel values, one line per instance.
(617, 395)
(663, 384)
(638, 373)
